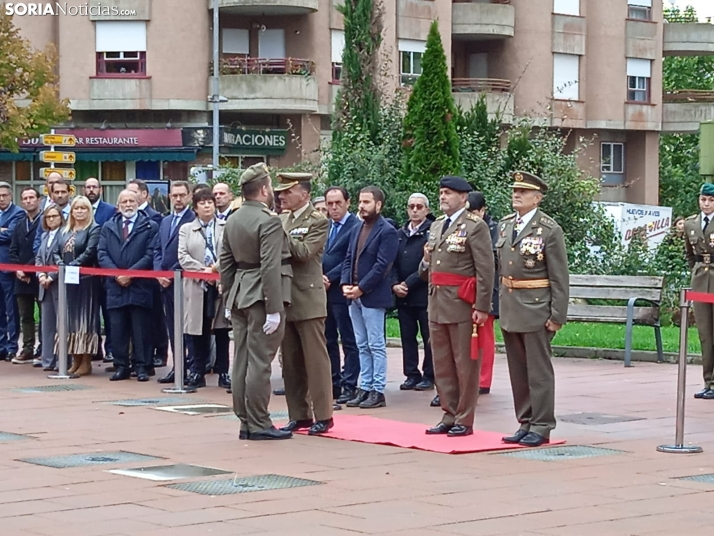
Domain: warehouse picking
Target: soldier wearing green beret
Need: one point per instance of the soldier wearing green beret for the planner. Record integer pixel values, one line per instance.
(533, 301)
(256, 274)
(699, 245)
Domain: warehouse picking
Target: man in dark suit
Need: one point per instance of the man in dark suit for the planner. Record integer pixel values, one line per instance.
(344, 383)
(224, 200)
(166, 255)
(366, 283)
(140, 188)
(26, 285)
(127, 243)
(10, 216)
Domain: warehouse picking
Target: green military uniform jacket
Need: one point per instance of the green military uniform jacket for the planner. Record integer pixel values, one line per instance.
(465, 249)
(538, 253)
(307, 235)
(699, 245)
(253, 261)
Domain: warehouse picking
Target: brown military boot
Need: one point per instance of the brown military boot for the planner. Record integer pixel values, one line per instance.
(85, 367)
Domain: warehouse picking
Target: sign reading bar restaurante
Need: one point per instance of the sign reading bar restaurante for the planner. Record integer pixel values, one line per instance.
(116, 138)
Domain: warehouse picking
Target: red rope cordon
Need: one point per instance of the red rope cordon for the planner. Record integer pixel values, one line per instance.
(107, 272)
(701, 297)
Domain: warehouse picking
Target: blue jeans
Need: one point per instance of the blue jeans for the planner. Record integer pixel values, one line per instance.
(368, 325)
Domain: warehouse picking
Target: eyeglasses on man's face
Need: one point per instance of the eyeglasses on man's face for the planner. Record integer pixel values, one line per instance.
(415, 207)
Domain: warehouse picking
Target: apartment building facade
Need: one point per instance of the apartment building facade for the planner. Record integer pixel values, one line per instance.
(138, 84)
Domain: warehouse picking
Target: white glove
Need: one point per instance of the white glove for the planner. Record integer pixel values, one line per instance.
(272, 322)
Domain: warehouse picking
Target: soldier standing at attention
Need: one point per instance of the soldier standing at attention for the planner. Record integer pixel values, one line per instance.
(307, 371)
(459, 258)
(534, 306)
(256, 274)
(699, 244)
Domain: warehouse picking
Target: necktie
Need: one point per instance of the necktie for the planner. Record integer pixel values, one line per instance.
(125, 229)
(517, 229)
(333, 232)
(221, 216)
(447, 224)
(174, 222)
(706, 223)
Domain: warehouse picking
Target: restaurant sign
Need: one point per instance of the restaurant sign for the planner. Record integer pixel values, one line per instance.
(116, 138)
(244, 141)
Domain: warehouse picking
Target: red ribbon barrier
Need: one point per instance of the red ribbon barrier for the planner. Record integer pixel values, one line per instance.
(107, 272)
(701, 297)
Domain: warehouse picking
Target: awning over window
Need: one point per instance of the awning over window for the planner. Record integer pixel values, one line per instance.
(22, 156)
(131, 156)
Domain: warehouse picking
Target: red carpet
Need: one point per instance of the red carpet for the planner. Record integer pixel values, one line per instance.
(366, 429)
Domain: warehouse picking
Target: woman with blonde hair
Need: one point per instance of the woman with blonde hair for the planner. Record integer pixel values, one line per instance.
(77, 246)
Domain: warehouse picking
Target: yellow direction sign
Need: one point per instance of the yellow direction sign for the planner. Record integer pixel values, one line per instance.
(60, 157)
(67, 140)
(67, 173)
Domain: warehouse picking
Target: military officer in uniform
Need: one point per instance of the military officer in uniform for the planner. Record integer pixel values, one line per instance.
(256, 274)
(459, 259)
(307, 371)
(699, 244)
(533, 306)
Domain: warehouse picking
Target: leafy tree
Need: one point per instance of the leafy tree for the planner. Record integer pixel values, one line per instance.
(431, 146)
(29, 76)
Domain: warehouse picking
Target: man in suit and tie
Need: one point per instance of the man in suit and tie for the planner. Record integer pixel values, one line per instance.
(365, 283)
(224, 200)
(166, 256)
(140, 188)
(344, 380)
(10, 216)
(46, 199)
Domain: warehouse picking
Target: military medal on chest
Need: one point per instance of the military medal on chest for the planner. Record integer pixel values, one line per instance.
(456, 241)
(711, 240)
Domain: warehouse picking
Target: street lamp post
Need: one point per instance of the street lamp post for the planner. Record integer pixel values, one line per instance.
(215, 98)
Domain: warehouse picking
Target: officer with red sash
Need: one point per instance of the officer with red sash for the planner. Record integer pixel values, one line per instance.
(458, 259)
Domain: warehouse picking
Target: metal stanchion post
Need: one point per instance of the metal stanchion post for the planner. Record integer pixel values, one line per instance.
(679, 445)
(62, 328)
(179, 357)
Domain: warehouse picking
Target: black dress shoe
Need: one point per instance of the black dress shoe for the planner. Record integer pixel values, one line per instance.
(700, 394)
(347, 394)
(151, 371)
(441, 428)
(459, 430)
(120, 374)
(244, 434)
(297, 425)
(279, 392)
(424, 385)
(321, 427)
(169, 378)
(484, 390)
(142, 375)
(515, 438)
(224, 381)
(195, 381)
(268, 434)
(374, 400)
(709, 395)
(408, 385)
(360, 396)
(533, 440)
(436, 402)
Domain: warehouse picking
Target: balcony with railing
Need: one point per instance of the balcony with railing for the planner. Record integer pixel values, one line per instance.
(688, 38)
(482, 20)
(497, 94)
(266, 7)
(684, 110)
(284, 85)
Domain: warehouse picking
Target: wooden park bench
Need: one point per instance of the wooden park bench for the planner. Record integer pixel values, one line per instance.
(617, 289)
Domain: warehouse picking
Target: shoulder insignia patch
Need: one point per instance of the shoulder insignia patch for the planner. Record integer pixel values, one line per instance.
(693, 217)
(472, 217)
(318, 214)
(545, 220)
(509, 217)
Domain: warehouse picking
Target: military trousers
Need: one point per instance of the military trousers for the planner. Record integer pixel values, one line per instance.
(307, 371)
(456, 375)
(530, 367)
(254, 352)
(704, 316)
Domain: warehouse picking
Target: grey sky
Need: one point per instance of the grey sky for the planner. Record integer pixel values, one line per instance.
(705, 8)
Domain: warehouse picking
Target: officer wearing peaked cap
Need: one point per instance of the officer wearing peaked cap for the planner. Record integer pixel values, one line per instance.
(256, 274)
(699, 245)
(458, 259)
(533, 303)
(307, 371)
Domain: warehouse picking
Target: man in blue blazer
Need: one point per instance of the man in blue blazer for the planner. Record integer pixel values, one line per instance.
(344, 382)
(366, 284)
(166, 254)
(10, 216)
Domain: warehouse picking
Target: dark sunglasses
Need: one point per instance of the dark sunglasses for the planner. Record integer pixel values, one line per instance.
(416, 207)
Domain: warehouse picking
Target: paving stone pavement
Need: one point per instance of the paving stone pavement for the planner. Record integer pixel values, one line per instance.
(362, 488)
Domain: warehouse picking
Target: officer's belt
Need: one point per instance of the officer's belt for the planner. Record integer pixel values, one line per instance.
(466, 284)
(706, 258)
(256, 265)
(525, 283)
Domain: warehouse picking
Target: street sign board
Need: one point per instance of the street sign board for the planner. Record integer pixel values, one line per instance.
(67, 140)
(67, 173)
(61, 157)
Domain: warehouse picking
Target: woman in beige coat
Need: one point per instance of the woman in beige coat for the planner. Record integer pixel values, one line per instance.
(200, 243)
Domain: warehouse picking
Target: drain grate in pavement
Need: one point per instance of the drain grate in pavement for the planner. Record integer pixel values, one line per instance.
(170, 472)
(243, 485)
(707, 479)
(567, 452)
(198, 409)
(59, 387)
(274, 415)
(159, 401)
(596, 418)
(7, 436)
(86, 460)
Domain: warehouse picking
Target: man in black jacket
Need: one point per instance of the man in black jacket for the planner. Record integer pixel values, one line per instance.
(26, 286)
(412, 295)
